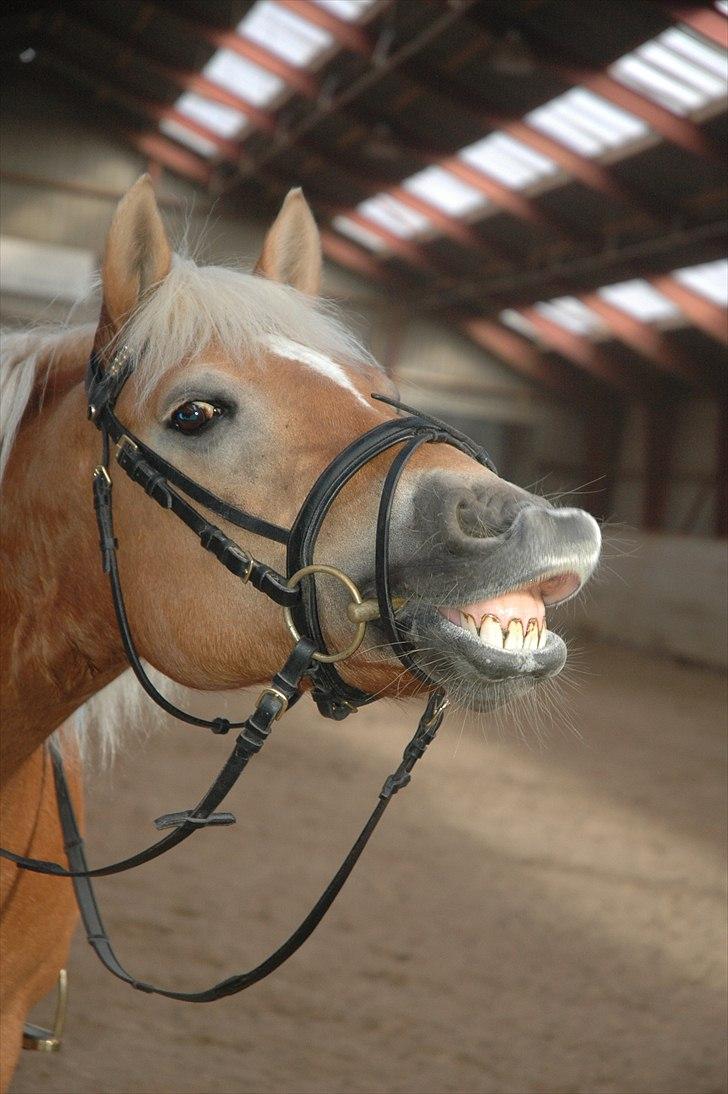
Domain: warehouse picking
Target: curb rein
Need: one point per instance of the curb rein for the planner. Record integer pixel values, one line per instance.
(296, 594)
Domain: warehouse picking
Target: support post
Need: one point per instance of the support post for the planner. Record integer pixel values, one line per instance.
(660, 416)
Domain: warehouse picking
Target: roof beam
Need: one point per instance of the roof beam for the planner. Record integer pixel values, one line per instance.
(589, 172)
(406, 249)
(459, 231)
(583, 353)
(707, 22)
(702, 313)
(170, 155)
(646, 339)
(354, 258)
(543, 278)
(511, 201)
(519, 354)
(300, 79)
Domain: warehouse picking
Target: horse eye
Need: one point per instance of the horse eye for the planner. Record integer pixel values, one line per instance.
(193, 416)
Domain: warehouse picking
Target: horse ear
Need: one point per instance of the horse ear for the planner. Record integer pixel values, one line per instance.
(292, 248)
(137, 255)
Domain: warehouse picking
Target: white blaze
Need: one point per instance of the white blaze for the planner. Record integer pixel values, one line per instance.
(294, 351)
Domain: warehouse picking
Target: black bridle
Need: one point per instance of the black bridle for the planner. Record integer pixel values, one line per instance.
(310, 659)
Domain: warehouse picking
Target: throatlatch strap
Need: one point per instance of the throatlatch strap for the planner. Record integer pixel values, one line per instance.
(103, 505)
(281, 694)
(93, 924)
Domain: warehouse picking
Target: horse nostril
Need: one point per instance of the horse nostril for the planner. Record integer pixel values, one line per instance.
(470, 518)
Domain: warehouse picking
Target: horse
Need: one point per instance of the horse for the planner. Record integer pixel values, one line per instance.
(250, 384)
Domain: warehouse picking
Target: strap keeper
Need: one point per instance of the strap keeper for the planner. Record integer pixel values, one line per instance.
(397, 781)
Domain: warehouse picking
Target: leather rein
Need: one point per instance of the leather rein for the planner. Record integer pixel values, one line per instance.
(310, 659)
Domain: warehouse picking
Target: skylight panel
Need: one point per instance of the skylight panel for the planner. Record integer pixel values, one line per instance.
(591, 130)
(507, 160)
(702, 52)
(640, 300)
(614, 125)
(444, 190)
(394, 216)
(679, 67)
(221, 119)
(285, 33)
(710, 279)
(358, 233)
(572, 314)
(669, 91)
(244, 78)
(181, 133)
(550, 119)
(513, 319)
(350, 10)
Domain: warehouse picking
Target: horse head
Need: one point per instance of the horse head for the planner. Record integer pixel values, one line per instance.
(250, 387)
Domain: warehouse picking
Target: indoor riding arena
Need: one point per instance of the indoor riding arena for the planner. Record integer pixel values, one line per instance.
(372, 354)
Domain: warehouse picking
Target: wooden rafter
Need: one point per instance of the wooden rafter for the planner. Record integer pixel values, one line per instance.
(584, 353)
(706, 21)
(702, 313)
(521, 355)
(300, 79)
(646, 339)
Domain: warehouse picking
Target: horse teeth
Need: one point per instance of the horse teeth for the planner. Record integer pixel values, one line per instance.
(490, 632)
(542, 638)
(530, 638)
(514, 635)
(468, 624)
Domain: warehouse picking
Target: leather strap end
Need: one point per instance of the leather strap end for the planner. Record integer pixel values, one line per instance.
(184, 816)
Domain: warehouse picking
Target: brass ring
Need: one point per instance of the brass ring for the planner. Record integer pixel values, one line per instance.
(356, 597)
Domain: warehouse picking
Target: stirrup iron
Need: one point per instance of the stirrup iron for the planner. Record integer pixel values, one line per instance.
(38, 1039)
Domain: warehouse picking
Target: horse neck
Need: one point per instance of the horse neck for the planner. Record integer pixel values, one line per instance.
(59, 643)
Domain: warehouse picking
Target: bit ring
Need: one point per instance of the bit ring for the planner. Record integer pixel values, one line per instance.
(356, 598)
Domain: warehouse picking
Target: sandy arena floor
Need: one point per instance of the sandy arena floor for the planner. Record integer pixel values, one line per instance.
(532, 916)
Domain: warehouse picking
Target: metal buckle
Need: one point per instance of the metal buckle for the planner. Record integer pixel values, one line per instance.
(100, 472)
(357, 598)
(125, 442)
(276, 695)
(438, 711)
